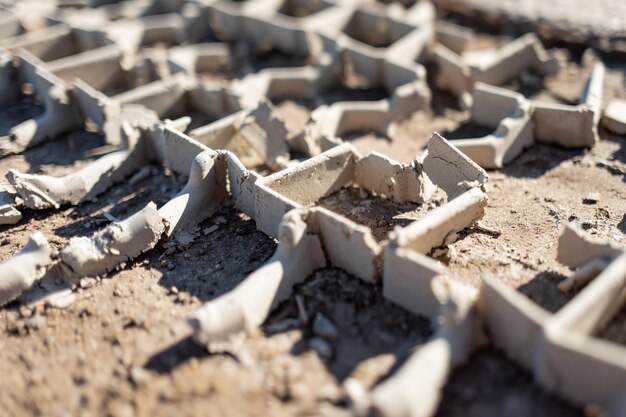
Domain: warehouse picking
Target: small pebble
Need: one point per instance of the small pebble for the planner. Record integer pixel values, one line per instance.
(209, 230)
(321, 347)
(323, 327)
(139, 376)
(592, 198)
(87, 282)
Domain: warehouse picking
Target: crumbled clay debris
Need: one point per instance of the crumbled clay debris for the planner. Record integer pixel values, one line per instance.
(380, 214)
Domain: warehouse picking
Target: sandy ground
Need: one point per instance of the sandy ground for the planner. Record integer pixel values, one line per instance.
(600, 24)
(123, 348)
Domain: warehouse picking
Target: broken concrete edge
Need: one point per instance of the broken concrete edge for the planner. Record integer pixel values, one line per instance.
(572, 126)
(390, 179)
(222, 321)
(511, 116)
(450, 169)
(411, 279)
(21, 271)
(522, 122)
(459, 72)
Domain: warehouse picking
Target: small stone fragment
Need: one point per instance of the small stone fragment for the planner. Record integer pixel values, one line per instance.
(61, 299)
(141, 175)
(321, 347)
(592, 198)
(24, 269)
(323, 327)
(87, 282)
(208, 230)
(304, 317)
